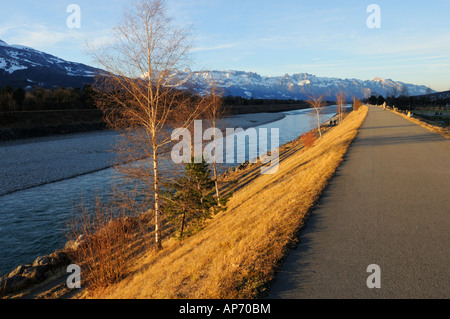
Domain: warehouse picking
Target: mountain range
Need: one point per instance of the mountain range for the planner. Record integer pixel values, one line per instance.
(299, 86)
(25, 67)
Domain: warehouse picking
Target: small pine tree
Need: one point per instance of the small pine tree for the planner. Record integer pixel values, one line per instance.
(190, 200)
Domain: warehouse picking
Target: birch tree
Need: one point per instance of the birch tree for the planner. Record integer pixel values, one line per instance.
(214, 113)
(340, 101)
(141, 95)
(317, 103)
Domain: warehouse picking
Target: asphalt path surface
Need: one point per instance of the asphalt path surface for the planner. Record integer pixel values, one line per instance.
(388, 205)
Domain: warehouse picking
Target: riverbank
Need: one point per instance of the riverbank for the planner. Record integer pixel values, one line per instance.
(41, 179)
(237, 254)
(235, 180)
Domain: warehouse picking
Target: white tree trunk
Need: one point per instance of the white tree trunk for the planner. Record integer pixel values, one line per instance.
(157, 211)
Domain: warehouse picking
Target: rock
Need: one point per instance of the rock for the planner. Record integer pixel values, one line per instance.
(71, 244)
(25, 276)
(19, 270)
(242, 166)
(75, 244)
(13, 283)
(59, 259)
(37, 273)
(40, 261)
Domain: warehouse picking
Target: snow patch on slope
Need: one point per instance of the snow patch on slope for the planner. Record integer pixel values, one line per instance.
(296, 86)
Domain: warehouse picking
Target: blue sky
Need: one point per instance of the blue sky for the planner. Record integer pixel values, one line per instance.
(322, 37)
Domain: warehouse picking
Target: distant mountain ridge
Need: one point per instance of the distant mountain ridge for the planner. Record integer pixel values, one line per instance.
(298, 86)
(24, 67)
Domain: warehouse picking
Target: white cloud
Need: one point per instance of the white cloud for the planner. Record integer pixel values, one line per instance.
(38, 36)
(217, 47)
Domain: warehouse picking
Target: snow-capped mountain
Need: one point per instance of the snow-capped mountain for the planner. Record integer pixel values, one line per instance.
(297, 86)
(26, 67)
(22, 66)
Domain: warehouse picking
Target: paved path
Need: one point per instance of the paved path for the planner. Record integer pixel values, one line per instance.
(389, 204)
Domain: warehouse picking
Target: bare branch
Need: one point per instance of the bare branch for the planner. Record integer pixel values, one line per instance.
(317, 102)
(139, 93)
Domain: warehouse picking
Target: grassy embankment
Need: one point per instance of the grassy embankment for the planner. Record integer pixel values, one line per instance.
(237, 254)
(430, 125)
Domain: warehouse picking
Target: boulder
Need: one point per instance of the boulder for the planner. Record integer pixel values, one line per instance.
(25, 276)
(12, 284)
(74, 244)
(19, 270)
(41, 261)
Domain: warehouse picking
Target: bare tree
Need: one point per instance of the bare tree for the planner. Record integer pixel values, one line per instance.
(340, 101)
(140, 94)
(356, 103)
(317, 103)
(214, 112)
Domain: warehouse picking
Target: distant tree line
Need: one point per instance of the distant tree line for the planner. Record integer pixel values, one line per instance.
(407, 102)
(37, 99)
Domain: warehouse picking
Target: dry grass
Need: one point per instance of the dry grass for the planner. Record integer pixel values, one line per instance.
(104, 251)
(357, 104)
(238, 252)
(444, 131)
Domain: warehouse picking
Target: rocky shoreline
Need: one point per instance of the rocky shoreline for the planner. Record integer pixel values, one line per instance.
(27, 276)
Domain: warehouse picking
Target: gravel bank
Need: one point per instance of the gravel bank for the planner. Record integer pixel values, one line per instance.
(32, 162)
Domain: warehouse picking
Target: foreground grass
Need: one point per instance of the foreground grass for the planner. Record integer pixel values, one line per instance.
(238, 252)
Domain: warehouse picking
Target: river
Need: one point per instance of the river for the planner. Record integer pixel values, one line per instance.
(42, 180)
